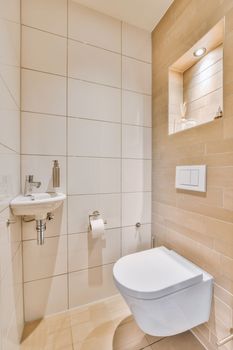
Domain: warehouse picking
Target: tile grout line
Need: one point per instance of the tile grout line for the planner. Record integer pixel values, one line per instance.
(76, 117)
(67, 204)
(20, 175)
(120, 53)
(85, 81)
(121, 166)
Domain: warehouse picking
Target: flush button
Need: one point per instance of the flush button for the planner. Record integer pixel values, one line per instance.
(194, 178)
(191, 177)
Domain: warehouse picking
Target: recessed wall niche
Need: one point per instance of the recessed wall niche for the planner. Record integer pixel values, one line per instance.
(196, 83)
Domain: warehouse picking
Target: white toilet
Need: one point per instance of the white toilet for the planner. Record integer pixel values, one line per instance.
(166, 293)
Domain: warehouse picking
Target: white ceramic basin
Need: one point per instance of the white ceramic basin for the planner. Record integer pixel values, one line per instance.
(37, 204)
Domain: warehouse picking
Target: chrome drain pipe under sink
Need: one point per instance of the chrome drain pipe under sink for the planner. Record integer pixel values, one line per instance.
(40, 228)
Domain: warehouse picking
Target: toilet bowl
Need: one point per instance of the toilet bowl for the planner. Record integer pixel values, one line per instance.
(166, 293)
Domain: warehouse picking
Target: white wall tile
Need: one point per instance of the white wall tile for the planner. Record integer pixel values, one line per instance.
(9, 176)
(136, 142)
(48, 15)
(41, 261)
(7, 101)
(41, 168)
(93, 64)
(43, 134)
(10, 129)
(10, 240)
(93, 175)
(136, 175)
(136, 108)
(136, 42)
(136, 239)
(43, 93)
(10, 291)
(10, 43)
(136, 75)
(10, 10)
(44, 297)
(97, 283)
(136, 207)
(93, 27)
(80, 207)
(55, 227)
(94, 101)
(11, 77)
(15, 330)
(86, 252)
(11, 279)
(43, 51)
(93, 138)
(96, 174)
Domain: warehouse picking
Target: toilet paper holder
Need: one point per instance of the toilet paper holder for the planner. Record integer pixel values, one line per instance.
(95, 215)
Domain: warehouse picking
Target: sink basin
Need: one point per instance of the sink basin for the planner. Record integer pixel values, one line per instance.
(37, 204)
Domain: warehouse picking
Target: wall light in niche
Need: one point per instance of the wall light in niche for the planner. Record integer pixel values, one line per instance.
(196, 81)
(199, 52)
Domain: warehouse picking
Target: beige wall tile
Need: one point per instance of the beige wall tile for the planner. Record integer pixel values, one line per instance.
(198, 227)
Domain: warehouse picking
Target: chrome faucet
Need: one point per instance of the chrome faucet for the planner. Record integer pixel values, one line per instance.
(29, 184)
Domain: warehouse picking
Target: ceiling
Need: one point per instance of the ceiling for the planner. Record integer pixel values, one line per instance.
(142, 13)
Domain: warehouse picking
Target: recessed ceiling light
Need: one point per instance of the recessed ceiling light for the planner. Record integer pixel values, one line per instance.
(199, 52)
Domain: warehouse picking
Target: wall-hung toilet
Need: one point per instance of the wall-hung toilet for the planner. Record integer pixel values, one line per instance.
(166, 293)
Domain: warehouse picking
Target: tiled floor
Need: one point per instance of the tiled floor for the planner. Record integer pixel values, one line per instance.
(106, 325)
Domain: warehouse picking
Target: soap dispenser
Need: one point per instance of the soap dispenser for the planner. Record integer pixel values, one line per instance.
(56, 174)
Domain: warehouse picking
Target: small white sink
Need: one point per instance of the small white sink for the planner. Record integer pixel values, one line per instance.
(37, 204)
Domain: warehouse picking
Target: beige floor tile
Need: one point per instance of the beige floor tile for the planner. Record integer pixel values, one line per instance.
(152, 339)
(59, 340)
(87, 331)
(128, 336)
(182, 341)
(107, 325)
(104, 343)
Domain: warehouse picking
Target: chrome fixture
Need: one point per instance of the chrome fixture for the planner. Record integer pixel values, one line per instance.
(138, 224)
(95, 215)
(153, 241)
(56, 174)
(29, 184)
(226, 339)
(40, 228)
(10, 222)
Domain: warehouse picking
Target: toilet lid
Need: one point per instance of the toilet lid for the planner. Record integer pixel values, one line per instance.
(155, 273)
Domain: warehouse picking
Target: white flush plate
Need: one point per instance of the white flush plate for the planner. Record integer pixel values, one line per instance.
(191, 177)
